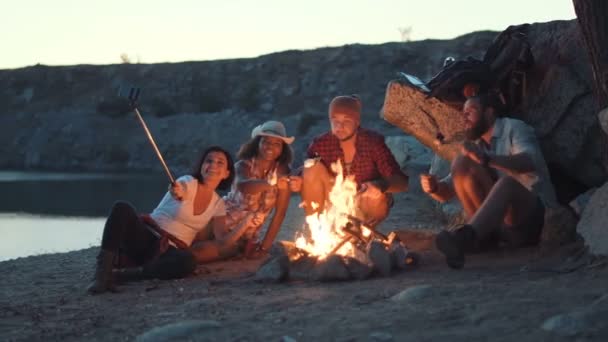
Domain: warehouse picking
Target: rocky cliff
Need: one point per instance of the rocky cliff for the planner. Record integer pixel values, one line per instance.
(70, 118)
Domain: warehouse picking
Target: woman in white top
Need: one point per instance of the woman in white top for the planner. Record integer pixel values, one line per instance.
(159, 244)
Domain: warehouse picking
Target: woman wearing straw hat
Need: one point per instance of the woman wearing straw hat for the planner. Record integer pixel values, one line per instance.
(262, 184)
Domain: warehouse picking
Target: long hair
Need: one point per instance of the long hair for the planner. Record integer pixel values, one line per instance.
(196, 171)
(250, 150)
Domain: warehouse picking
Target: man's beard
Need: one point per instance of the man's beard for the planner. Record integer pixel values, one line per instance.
(478, 129)
(348, 137)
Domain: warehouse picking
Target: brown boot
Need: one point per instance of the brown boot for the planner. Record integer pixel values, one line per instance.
(103, 273)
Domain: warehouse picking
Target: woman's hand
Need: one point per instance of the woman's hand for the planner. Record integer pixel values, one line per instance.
(258, 253)
(177, 190)
(295, 183)
(256, 219)
(283, 183)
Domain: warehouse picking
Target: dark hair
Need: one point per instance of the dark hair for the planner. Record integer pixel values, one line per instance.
(250, 149)
(490, 99)
(196, 171)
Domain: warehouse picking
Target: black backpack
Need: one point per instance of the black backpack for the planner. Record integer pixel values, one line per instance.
(502, 71)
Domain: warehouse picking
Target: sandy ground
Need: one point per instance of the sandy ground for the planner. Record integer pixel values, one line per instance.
(499, 296)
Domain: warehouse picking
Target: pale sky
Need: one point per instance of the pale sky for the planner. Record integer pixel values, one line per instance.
(65, 32)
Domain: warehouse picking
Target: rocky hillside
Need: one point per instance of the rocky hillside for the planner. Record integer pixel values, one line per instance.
(554, 94)
(70, 118)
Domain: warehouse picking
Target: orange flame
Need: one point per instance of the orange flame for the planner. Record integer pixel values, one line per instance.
(325, 227)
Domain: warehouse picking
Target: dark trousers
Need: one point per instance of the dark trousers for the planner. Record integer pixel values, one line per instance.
(126, 233)
(525, 234)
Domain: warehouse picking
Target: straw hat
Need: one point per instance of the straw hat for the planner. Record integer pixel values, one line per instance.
(272, 129)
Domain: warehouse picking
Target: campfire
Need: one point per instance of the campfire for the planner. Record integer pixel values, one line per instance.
(330, 231)
(335, 244)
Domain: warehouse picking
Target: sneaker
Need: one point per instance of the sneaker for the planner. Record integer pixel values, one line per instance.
(454, 242)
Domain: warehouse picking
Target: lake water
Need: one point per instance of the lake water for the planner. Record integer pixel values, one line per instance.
(26, 234)
(42, 212)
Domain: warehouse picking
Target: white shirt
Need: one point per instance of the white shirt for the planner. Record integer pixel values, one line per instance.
(177, 217)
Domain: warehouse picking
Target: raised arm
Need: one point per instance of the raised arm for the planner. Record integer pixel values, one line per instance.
(245, 183)
(517, 163)
(523, 155)
(440, 191)
(525, 152)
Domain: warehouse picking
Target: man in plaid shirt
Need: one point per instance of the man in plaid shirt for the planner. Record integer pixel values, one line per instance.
(362, 153)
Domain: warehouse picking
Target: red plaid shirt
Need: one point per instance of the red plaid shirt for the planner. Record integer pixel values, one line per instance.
(372, 159)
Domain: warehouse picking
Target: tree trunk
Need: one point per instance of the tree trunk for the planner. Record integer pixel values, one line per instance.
(593, 20)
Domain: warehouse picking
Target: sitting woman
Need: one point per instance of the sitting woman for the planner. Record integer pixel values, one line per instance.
(159, 243)
(262, 184)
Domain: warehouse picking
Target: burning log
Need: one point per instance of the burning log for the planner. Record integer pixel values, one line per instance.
(353, 233)
(357, 222)
(288, 249)
(287, 262)
(341, 244)
(337, 245)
